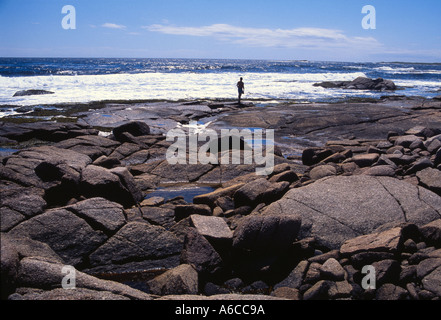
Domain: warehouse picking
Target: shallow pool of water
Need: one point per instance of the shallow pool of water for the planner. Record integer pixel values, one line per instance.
(6, 152)
(186, 191)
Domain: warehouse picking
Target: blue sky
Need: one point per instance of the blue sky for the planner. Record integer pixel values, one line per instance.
(249, 29)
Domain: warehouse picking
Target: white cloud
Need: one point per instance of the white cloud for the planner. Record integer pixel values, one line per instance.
(113, 26)
(263, 37)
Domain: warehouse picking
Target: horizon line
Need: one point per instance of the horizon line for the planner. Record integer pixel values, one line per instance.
(243, 59)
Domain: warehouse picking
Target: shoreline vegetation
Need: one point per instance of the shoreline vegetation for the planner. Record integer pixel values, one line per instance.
(355, 183)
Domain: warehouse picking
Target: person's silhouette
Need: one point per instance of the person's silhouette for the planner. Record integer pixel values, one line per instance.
(241, 88)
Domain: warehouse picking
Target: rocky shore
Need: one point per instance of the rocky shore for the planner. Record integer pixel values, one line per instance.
(355, 184)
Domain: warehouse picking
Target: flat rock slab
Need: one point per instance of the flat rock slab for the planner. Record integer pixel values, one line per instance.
(386, 241)
(212, 227)
(336, 209)
(104, 215)
(51, 154)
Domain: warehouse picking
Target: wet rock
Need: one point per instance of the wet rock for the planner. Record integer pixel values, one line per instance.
(31, 92)
(361, 83)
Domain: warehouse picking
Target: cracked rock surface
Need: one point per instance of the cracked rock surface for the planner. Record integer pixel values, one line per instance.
(336, 209)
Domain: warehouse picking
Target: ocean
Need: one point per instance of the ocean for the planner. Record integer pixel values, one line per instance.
(86, 80)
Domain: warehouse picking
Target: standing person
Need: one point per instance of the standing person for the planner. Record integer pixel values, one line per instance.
(241, 88)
